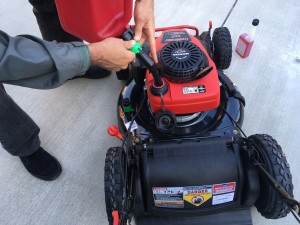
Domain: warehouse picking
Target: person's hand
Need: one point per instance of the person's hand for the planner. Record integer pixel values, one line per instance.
(112, 53)
(145, 25)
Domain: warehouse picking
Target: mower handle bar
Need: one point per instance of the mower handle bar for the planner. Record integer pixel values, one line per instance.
(178, 27)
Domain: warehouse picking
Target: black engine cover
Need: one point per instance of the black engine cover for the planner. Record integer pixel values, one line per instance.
(185, 177)
(181, 61)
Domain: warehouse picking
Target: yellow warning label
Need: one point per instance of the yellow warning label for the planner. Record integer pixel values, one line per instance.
(197, 195)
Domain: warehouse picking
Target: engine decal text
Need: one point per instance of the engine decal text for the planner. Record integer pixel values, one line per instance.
(179, 35)
(193, 89)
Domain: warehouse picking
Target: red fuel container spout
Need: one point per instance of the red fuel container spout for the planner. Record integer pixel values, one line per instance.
(94, 20)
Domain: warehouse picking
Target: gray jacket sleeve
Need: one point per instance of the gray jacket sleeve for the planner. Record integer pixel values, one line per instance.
(31, 62)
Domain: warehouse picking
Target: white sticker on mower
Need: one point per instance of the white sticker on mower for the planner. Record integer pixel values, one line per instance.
(134, 126)
(224, 188)
(168, 197)
(193, 89)
(224, 198)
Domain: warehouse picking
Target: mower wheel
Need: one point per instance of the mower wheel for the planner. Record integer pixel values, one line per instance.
(114, 183)
(269, 204)
(222, 48)
(123, 74)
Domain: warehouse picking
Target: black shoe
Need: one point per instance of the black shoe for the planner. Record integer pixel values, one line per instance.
(94, 72)
(42, 165)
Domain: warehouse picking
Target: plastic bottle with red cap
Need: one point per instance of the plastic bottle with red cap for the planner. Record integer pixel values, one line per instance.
(246, 41)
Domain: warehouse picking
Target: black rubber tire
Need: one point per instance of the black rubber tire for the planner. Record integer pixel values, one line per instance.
(123, 74)
(114, 164)
(269, 204)
(222, 48)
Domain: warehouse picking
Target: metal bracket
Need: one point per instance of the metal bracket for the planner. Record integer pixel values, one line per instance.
(293, 204)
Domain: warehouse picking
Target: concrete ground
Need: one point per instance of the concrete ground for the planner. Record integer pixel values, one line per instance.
(74, 117)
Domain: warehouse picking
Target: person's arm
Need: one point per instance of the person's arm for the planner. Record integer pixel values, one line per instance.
(144, 24)
(31, 62)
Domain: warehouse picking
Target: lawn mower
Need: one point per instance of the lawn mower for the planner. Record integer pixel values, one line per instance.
(183, 151)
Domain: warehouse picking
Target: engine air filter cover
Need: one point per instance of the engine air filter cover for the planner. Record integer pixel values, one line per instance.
(182, 61)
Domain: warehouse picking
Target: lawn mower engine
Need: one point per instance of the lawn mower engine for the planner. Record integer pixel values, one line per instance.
(182, 150)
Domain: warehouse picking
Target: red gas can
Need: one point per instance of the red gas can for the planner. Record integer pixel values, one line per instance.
(94, 20)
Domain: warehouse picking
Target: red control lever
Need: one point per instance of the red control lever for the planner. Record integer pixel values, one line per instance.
(114, 131)
(115, 213)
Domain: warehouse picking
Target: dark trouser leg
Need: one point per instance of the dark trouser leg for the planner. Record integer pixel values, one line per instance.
(47, 18)
(18, 132)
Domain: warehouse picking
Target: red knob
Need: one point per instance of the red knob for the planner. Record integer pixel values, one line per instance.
(114, 131)
(116, 217)
(210, 24)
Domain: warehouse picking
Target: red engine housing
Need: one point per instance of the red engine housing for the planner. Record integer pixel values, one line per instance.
(183, 98)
